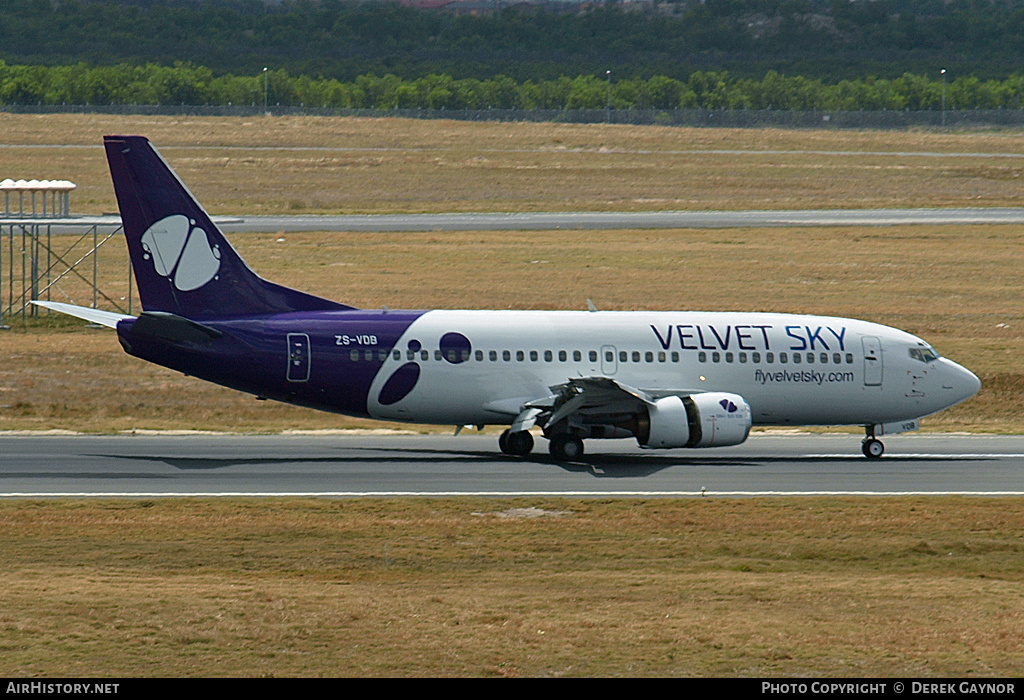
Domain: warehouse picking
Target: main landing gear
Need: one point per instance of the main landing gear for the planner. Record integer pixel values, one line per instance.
(564, 448)
(519, 443)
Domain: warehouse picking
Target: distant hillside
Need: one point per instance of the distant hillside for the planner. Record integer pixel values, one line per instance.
(818, 39)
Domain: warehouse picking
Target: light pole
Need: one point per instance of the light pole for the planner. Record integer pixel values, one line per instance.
(265, 89)
(608, 98)
(943, 74)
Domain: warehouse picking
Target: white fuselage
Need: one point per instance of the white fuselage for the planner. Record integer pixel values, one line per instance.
(791, 369)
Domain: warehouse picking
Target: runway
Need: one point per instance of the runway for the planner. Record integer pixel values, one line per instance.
(609, 220)
(568, 220)
(393, 465)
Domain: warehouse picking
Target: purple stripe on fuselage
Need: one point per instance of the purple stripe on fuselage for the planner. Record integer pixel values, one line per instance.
(346, 351)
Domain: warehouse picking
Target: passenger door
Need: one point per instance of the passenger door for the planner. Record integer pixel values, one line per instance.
(298, 357)
(872, 361)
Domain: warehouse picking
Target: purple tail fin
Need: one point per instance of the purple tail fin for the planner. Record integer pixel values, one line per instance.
(182, 262)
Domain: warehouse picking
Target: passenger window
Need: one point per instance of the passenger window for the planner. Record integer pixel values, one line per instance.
(479, 355)
(675, 357)
(520, 356)
(354, 355)
(398, 354)
(728, 357)
(783, 358)
(562, 356)
(769, 357)
(548, 357)
(837, 358)
(849, 358)
(577, 356)
(493, 355)
(715, 357)
(609, 356)
(506, 355)
(424, 355)
(743, 357)
(796, 358)
(533, 356)
(756, 357)
(623, 356)
(661, 357)
(593, 355)
(824, 358)
(702, 356)
(636, 356)
(410, 355)
(368, 355)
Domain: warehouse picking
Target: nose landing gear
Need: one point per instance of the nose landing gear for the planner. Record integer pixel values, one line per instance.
(872, 447)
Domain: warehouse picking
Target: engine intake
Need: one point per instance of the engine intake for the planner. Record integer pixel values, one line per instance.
(713, 419)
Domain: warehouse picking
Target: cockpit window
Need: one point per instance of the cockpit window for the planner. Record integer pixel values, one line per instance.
(923, 354)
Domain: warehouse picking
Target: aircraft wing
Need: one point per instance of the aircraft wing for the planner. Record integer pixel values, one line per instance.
(102, 318)
(587, 399)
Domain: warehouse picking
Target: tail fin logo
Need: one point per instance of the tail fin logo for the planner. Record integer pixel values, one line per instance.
(181, 251)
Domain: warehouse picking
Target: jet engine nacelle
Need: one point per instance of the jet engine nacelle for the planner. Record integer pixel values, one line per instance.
(713, 419)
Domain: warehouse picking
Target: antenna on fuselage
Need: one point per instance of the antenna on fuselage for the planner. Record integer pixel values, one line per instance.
(590, 305)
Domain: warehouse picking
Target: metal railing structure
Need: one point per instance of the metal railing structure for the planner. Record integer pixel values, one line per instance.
(48, 254)
(55, 259)
(59, 191)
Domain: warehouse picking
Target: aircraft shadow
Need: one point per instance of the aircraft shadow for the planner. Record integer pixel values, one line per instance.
(631, 466)
(597, 465)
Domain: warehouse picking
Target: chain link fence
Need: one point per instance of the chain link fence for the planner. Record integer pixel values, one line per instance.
(737, 118)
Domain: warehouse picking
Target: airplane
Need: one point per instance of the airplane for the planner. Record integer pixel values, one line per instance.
(666, 379)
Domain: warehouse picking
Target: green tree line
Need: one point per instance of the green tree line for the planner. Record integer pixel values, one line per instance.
(186, 84)
(343, 39)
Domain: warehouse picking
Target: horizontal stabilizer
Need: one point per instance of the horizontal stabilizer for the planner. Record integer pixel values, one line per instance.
(102, 318)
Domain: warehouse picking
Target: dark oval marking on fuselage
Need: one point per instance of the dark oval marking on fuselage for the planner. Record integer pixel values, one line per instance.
(399, 384)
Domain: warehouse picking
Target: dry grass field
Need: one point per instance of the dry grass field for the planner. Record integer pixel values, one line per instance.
(921, 587)
(926, 587)
(333, 165)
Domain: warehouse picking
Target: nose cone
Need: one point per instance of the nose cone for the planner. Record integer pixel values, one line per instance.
(958, 383)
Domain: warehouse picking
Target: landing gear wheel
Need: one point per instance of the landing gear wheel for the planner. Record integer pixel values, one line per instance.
(872, 448)
(519, 444)
(566, 448)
